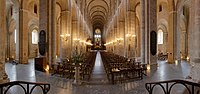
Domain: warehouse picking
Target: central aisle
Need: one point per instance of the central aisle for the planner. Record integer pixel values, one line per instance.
(98, 73)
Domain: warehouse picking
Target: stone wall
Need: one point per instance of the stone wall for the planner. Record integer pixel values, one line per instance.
(194, 37)
(3, 76)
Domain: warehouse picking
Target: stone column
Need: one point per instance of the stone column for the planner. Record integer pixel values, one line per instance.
(17, 35)
(53, 31)
(44, 24)
(172, 37)
(75, 29)
(66, 41)
(122, 35)
(3, 75)
(152, 17)
(142, 27)
(194, 42)
(115, 38)
(80, 35)
(69, 31)
(147, 32)
(23, 36)
(112, 39)
(138, 39)
(131, 31)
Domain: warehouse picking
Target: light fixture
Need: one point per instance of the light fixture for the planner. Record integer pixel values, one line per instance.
(176, 62)
(188, 58)
(65, 37)
(119, 40)
(148, 67)
(47, 68)
(76, 40)
(128, 35)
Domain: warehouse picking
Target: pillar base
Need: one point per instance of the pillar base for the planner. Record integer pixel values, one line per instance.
(23, 60)
(4, 79)
(170, 62)
(154, 66)
(194, 73)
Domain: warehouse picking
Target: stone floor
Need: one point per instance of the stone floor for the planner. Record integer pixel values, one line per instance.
(98, 83)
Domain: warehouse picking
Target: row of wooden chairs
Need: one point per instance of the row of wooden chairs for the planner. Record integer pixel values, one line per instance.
(120, 69)
(162, 56)
(66, 68)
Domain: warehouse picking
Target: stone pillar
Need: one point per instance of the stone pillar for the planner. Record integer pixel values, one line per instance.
(75, 29)
(122, 35)
(69, 31)
(138, 39)
(152, 17)
(142, 27)
(23, 36)
(112, 39)
(17, 35)
(66, 41)
(80, 35)
(3, 75)
(53, 31)
(131, 31)
(44, 24)
(115, 42)
(172, 37)
(195, 46)
(146, 33)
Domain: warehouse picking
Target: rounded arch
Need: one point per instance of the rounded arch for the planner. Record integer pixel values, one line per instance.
(182, 25)
(11, 39)
(64, 4)
(33, 27)
(58, 11)
(171, 5)
(132, 4)
(31, 6)
(74, 13)
(15, 3)
(162, 27)
(100, 2)
(12, 26)
(162, 6)
(138, 11)
(183, 9)
(122, 14)
(163, 24)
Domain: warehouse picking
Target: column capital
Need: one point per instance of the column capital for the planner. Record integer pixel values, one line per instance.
(173, 11)
(23, 10)
(65, 11)
(131, 10)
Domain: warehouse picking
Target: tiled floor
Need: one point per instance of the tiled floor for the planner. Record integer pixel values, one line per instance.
(98, 83)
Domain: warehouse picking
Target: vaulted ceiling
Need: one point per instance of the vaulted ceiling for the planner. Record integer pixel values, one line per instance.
(99, 12)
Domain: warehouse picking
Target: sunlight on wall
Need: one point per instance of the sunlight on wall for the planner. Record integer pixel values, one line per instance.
(160, 37)
(34, 37)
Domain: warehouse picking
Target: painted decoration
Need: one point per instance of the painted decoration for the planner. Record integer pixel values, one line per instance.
(153, 43)
(42, 42)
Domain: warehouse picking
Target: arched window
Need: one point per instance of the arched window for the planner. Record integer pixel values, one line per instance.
(160, 36)
(160, 8)
(34, 37)
(11, 10)
(35, 9)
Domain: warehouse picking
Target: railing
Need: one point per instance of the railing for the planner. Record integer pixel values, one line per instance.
(27, 87)
(190, 87)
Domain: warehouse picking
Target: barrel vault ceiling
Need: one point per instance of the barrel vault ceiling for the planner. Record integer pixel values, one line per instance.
(99, 12)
